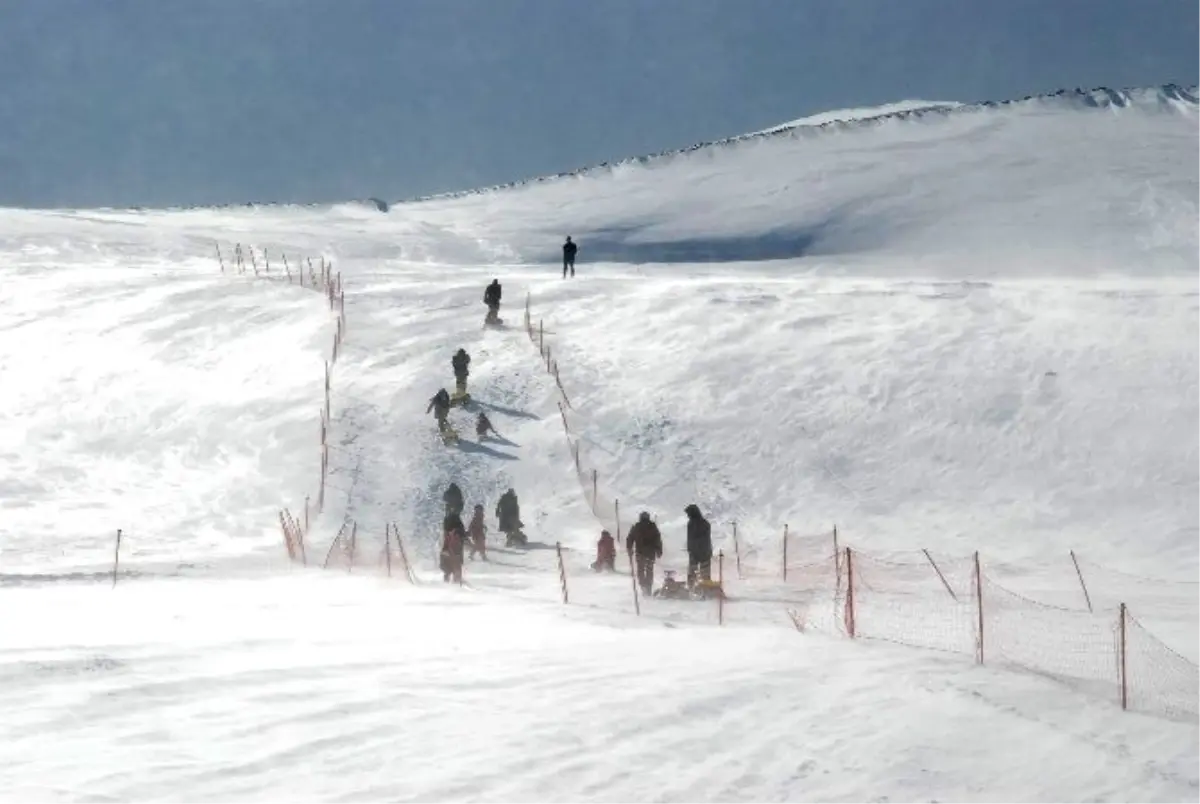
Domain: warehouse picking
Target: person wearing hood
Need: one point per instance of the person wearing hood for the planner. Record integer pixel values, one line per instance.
(699, 546)
(453, 499)
(644, 543)
(491, 297)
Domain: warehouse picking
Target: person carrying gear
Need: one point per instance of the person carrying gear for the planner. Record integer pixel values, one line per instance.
(477, 531)
(699, 546)
(491, 297)
(569, 250)
(453, 498)
(606, 553)
(440, 405)
(645, 543)
(459, 363)
(483, 425)
(508, 513)
(451, 558)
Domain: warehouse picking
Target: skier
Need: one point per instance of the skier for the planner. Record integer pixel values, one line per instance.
(459, 363)
(440, 405)
(482, 425)
(645, 543)
(606, 553)
(699, 546)
(569, 250)
(452, 548)
(508, 512)
(477, 530)
(453, 498)
(491, 297)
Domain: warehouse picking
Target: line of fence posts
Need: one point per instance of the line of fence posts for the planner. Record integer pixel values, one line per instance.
(850, 614)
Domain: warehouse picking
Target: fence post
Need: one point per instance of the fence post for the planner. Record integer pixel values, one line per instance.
(353, 545)
(306, 513)
(408, 569)
(563, 414)
(387, 548)
(617, 510)
(220, 259)
(939, 574)
(737, 551)
(837, 559)
(637, 608)
(562, 571)
(785, 541)
(116, 558)
(541, 337)
(287, 537)
(1086, 596)
(1121, 652)
(848, 615)
(547, 358)
(237, 253)
(575, 452)
(254, 260)
(979, 604)
(595, 500)
(721, 587)
(267, 261)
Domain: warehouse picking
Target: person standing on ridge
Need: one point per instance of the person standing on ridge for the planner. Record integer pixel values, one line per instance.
(459, 363)
(491, 297)
(569, 250)
(699, 546)
(644, 543)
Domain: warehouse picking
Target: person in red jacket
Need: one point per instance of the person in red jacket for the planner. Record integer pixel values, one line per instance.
(452, 548)
(606, 553)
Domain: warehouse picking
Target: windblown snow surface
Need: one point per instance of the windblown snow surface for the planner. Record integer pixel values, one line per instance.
(960, 330)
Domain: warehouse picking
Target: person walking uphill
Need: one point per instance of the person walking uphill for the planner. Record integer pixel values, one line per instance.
(645, 542)
(491, 297)
(699, 546)
(569, 250)
(460, 363)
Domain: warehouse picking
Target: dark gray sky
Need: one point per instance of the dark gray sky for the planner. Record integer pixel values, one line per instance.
(158, 102)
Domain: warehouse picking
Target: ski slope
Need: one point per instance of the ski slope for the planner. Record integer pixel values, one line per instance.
(952, 329)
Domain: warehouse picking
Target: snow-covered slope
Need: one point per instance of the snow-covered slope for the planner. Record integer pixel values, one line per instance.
(959, 330)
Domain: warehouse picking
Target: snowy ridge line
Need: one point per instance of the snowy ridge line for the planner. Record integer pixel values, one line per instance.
(1170, 96)
(324, 280)
(1090, 642)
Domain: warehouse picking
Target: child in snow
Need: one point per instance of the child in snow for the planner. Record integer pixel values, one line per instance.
(606, 553)
(477, 530)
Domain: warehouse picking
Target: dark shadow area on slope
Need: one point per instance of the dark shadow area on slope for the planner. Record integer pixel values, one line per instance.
(475, 447)
(626, 243)
(520, 414)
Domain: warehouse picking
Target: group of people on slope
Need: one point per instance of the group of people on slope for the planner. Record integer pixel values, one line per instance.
(644, 545)
(457, 537)
(441, 402)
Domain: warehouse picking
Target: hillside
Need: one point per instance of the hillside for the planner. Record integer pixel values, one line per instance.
(946, 332)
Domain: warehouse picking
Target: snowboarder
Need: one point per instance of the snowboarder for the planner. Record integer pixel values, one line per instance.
(451, 558)
(491, 297)
(644, 543)
(699, 546)
(440, 405)
(508, 513)
(483, 425)
(453, 498)
(606, 553)
(459, 363)
(569, 250)
(477, 531)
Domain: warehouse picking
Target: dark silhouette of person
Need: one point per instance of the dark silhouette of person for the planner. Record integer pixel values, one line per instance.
(569, 250)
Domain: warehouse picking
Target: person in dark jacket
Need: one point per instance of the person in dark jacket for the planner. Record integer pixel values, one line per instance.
(491, 297)
(440, 405)
(644, 543)
(453, 498)
(508, 514)
(453, 538)
(483, 425)
(569, 250)
(477, 531)
(459, 363)
(699, 546)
